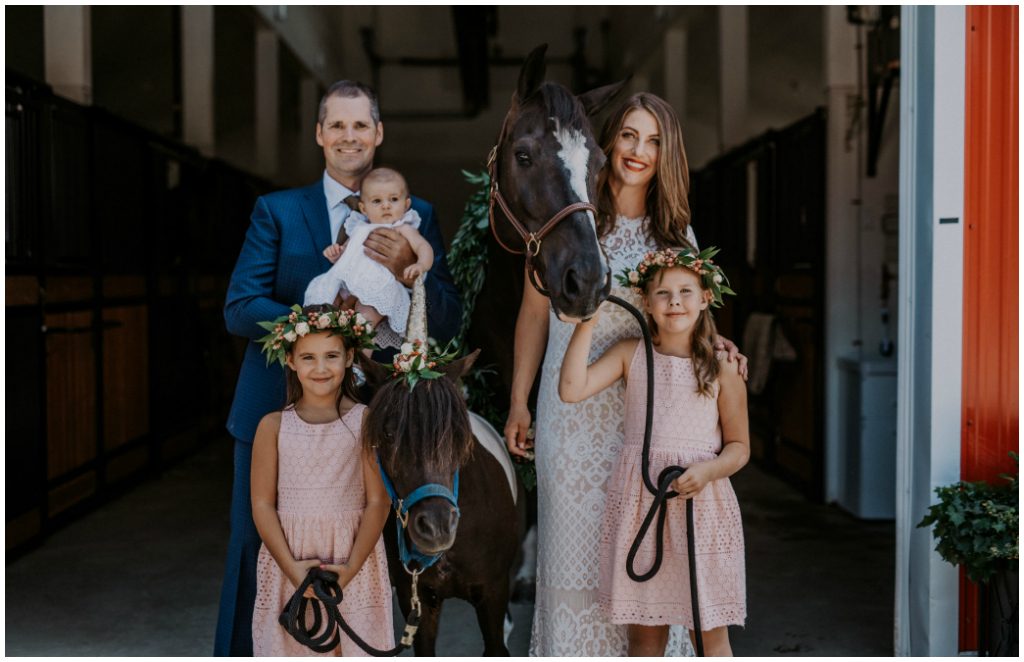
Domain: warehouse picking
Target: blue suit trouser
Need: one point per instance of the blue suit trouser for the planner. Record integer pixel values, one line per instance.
(238, 594)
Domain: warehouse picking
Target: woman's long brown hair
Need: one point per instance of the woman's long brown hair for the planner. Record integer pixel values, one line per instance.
(702, 343)
(667, 203)
(293, 387)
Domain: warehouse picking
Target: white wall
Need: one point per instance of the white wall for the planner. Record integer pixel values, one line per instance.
(860, 233)
(931, 319)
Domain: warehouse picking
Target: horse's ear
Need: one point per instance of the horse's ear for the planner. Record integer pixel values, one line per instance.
(375, 372)
(595, 100)
(532, 73)
(460, 367)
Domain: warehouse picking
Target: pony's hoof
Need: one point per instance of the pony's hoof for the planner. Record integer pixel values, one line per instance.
(524, 591)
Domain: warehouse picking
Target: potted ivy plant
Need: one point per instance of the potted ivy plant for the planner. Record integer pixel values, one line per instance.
(976, 527)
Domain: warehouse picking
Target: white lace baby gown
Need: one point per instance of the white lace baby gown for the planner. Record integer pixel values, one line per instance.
(369, 281)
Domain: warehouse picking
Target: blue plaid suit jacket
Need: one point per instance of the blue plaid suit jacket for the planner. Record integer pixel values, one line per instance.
(282, 252)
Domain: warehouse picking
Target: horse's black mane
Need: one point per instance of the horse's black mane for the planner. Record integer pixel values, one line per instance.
(563, 106)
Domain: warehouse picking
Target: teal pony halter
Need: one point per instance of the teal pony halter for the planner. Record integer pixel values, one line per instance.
(409, 553)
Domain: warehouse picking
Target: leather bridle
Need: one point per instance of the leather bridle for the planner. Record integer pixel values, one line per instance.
(531, 240)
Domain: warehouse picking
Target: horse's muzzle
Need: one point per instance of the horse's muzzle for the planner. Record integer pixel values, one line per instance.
(432, 526)
(579, 297)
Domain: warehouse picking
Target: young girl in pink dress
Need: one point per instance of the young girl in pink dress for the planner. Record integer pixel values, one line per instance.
(317, 498)
(700, 422)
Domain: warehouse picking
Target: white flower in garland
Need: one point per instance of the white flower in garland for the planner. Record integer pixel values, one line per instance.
(285, 330)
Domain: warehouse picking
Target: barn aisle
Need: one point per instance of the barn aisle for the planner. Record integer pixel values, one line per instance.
(141, 576)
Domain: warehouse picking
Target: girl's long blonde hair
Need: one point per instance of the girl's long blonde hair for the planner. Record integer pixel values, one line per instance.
(667, 203)
(702, 343)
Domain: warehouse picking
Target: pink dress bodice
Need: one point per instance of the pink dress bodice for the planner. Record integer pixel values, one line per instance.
(320, 501)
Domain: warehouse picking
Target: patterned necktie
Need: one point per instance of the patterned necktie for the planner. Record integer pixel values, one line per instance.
(352, 202)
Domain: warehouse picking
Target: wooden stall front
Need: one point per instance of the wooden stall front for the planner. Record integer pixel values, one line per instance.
(119, 247)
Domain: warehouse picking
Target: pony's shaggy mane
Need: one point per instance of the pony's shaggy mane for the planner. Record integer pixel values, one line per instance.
(427, 426)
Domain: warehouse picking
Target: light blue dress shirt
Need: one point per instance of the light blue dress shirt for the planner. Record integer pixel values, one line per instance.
(337, 210)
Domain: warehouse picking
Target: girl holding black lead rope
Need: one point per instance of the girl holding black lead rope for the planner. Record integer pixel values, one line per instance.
(700, 423)
(318, 500)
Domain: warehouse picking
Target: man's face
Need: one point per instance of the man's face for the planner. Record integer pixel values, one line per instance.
(349, 139)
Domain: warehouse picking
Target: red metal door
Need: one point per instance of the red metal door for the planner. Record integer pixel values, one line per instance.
(990, 354)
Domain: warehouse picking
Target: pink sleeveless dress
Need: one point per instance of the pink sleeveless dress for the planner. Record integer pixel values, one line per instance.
(685, 431)
(320, 500)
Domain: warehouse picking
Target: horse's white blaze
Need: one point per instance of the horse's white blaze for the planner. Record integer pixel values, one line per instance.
(575, 157)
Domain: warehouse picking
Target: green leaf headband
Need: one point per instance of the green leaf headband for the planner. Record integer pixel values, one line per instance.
(285, 330)
(415, 361)
(711, 275)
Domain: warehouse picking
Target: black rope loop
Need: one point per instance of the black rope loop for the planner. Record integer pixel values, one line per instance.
(323, 636)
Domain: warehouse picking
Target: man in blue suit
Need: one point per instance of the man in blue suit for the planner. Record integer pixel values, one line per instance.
(282, 252)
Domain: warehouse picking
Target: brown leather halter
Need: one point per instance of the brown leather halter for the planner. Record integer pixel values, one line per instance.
(531, 240)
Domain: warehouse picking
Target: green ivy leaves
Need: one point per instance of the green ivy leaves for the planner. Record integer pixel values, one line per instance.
(976, 525)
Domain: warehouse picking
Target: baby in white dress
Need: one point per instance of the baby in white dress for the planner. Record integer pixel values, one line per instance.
(384, 202)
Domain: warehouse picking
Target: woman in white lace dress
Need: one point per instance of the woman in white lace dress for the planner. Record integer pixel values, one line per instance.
(642, 203)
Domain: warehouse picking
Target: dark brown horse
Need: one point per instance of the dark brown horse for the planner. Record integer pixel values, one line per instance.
(423, 436)
(537, 182)
(544, 170)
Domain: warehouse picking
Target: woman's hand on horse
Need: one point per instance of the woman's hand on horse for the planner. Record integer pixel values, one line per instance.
(343, 570)
(297, 573)
(726, 345)
(516, 429)
(391, 249)
(693, 481)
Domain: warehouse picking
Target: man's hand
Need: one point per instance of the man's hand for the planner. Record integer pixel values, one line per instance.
(388, 247)
(347, 302)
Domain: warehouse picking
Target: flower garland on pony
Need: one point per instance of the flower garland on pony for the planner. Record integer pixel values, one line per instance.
(416, 361)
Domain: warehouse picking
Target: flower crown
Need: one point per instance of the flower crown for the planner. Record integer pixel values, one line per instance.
(711, 275)
(416, 361)
(285, 330)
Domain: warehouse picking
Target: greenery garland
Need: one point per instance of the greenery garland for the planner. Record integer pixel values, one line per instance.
(467, 261)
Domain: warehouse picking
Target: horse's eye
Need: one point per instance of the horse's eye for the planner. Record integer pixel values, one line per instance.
(523, 159)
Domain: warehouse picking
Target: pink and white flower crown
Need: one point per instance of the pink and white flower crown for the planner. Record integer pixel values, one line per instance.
(285, 330)
(711, 275)
(416, 360)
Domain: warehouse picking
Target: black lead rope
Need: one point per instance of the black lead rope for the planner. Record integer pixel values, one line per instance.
(325, 610)
(661, 492)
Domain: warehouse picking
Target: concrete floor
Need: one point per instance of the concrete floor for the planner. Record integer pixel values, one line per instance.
(141, 576)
